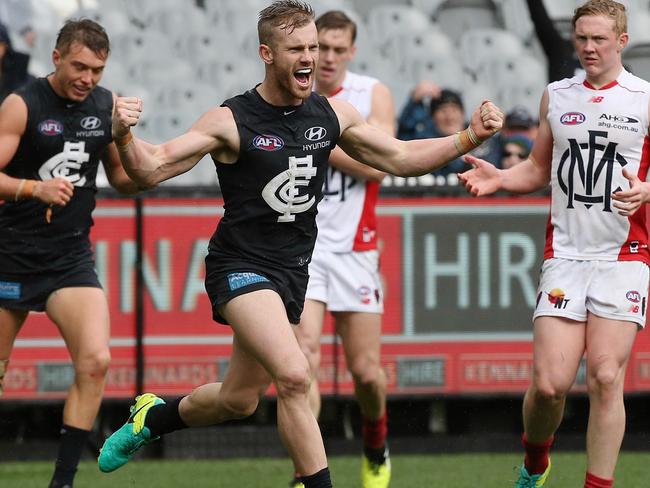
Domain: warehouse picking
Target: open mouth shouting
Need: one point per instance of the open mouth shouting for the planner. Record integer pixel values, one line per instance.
(303, 77)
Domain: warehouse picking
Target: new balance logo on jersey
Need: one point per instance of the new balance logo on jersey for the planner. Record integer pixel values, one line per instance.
(67, 164)
(596, 99)
(586, 170)
(282, 193)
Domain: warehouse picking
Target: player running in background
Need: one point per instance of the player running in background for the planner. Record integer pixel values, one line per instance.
(592, 147)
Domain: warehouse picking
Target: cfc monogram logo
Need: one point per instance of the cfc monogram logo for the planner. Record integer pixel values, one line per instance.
(66, 164)
(589, 182)
(282, 192)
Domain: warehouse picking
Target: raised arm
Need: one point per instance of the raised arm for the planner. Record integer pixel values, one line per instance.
(382, 116)
(528, 176)
(369, 145)
(215, 132)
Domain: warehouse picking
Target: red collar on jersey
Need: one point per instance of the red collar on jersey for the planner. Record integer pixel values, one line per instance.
(609, 85)
(335, 92)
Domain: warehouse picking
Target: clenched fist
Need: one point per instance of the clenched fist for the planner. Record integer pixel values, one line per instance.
(126, 114)
(486, 120)
(57, 191)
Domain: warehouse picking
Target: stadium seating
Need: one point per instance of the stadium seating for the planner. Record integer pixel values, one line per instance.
(429, 7)
(387, 20)
(481, 48)
(456, 17)
(516, 19)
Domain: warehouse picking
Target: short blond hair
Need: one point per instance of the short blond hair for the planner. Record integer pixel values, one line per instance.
(285, 14)
(606, 8)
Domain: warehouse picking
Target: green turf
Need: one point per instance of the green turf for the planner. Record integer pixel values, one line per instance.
(441, 471)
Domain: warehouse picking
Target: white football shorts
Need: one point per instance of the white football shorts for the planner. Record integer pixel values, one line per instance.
(616, 290)
(346, 282)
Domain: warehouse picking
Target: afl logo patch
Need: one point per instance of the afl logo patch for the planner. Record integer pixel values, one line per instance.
(91, 122)
(633, 296)
(315, 133)
(268, 143)
(572, 118)
(50, 127)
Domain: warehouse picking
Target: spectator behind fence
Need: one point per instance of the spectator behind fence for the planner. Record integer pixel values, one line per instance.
(516, 149)
(444, 115)
(520, 121)
(519, 124)
(13, 66)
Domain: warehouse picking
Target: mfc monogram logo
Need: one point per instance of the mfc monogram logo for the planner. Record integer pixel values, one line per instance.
(579, 179)
(282, 192)
(66, 164)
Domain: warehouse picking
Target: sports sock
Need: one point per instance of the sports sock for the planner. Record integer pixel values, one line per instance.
(375, 456)
(374, 432)
(71, 445)
(321, 479)
(536, 460)
(592, 481)
(164, 418)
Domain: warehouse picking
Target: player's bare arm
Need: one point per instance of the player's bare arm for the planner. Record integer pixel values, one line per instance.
(370, 145)
(13, 121)
(382, 116)
(115, 173)
(215, 132)
(530, 175)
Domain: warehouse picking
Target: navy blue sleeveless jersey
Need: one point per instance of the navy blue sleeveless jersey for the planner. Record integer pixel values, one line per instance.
(272, 191)
(62, 138)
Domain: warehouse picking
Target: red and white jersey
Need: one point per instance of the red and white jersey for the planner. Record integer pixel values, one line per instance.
(346, 215)
(597, 133)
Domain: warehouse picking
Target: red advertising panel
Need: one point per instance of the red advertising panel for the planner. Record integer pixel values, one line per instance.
(460, 280)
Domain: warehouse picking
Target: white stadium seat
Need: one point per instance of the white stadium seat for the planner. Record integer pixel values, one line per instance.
(387, 20)
(480, 47)
(456, 17)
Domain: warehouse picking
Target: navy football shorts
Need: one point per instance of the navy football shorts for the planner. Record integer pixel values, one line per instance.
(227, 278)
(31, 291)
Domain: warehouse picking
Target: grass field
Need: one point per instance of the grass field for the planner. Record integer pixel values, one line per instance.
(438, 471)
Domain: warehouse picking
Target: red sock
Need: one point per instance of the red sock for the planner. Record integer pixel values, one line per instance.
(374, 432)
(592, 481)
(536, 459)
